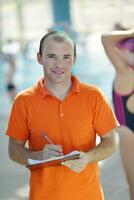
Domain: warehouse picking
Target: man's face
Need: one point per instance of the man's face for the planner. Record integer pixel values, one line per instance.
(57, 60)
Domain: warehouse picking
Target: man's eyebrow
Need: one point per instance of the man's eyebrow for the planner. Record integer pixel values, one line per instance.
(69, 55)
(51, 54)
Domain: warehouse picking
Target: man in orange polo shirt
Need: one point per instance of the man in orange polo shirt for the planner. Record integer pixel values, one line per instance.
(71, 113)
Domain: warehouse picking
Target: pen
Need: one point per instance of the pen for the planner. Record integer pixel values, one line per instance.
(50, 141)
(47, 138)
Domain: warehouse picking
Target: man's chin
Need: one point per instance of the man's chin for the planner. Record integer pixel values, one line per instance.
(60, 79)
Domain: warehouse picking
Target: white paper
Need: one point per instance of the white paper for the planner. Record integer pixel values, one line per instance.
(71, 154)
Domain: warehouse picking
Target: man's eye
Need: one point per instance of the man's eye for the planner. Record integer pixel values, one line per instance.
(67, 57)
(51, 56)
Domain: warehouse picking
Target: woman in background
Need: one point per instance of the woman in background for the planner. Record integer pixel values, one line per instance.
(11, 88)
(119, 47)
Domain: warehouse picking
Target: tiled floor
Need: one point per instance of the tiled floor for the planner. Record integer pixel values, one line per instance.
(113, 178)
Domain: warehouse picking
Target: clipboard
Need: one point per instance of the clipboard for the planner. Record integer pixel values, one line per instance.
(53, 161)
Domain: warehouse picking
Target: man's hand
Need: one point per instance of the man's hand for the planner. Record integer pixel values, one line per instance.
(79, 164)
(102, 151)
(51, 150)
(20, 154)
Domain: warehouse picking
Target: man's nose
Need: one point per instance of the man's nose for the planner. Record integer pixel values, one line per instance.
(58, 62)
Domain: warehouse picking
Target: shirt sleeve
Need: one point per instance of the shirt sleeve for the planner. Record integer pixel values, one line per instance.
(104, 119)
(18, 123)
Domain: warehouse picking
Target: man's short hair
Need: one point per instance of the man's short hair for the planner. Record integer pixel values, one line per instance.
(58, 36)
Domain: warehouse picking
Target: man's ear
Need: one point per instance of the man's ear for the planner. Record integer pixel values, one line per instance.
(39, 58)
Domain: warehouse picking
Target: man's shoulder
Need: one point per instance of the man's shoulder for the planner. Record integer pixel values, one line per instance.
(90, 88)
(27, 93)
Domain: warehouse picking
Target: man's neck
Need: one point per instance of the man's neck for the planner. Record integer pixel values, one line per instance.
(60, 90)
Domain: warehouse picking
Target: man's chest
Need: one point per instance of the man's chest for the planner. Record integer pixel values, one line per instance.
(69, 125)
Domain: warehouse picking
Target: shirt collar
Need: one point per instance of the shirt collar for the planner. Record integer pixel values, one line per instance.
(45, 92)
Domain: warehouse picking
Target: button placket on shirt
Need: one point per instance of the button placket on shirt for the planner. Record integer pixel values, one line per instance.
(61, 110)
(61, 106)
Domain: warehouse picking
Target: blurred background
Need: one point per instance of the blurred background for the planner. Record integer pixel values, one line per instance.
(22, 24)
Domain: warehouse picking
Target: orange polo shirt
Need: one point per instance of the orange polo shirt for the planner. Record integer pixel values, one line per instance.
(72, 123)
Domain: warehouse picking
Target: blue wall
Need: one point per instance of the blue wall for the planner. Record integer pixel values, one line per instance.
(61, 11)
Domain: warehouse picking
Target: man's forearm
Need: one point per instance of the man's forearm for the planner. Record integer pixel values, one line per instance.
(20, 154)
(103, 150)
